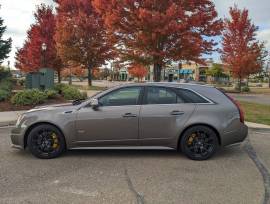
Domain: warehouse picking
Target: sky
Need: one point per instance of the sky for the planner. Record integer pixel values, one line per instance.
(18, 16)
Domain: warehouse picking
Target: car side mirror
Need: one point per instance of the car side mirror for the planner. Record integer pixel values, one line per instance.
(94, 103)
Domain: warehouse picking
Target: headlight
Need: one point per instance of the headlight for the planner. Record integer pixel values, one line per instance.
(19, 120)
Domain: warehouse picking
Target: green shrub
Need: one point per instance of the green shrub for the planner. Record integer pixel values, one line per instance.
(51, 94)
(4, 74)
(245, 89)
(72, 93)
(21, 82)
(4, 95)
(29, 97)
(60, 87)
(5, 89)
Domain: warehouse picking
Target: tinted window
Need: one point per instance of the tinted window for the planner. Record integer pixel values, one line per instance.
(160, 95)
(188, 96)
(122, 97)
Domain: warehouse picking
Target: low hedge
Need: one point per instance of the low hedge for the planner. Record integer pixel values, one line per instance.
(60, 87)
(35, 96)
(5, 89)
(51, 93)
(29, 97)
(72, 93)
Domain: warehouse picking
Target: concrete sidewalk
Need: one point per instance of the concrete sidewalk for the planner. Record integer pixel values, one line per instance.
(10, 118)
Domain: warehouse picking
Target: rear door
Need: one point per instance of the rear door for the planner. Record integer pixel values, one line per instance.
(162, 116)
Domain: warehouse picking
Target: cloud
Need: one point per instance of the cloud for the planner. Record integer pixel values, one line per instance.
(18, 16)
(258, 10)
(264, 35)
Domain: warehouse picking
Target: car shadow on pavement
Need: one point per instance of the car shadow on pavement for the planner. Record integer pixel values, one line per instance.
(145, 153)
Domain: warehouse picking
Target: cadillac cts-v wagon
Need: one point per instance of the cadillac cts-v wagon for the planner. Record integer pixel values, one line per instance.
(195, 119)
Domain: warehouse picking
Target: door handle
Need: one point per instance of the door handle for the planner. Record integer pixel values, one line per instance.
(129, 115)
(176, 112)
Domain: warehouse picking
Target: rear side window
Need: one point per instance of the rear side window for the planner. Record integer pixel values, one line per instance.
(160, 95)
(188, 96)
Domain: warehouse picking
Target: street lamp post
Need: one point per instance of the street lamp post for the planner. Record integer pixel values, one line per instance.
(43, 49)
(9, 66)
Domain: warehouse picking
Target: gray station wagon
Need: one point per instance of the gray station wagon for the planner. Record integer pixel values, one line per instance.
(194, 119)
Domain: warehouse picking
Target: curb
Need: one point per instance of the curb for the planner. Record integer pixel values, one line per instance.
(260, 129)
(7, 123)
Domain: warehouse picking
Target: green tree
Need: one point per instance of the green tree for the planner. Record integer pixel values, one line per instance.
(216, 71)
(5, 45)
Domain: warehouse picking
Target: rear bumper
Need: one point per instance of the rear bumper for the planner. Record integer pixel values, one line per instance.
(237, 136)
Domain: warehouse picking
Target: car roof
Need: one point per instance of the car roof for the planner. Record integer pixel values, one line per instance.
(168, 84)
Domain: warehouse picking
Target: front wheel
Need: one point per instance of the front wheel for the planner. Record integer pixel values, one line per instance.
(46, 142)
(199, 143)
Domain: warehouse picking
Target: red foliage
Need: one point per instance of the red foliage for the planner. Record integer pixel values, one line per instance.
(155, 32)
(81, 36)
(77, 71)
(30, 57)
(241, 53)
(137, 70)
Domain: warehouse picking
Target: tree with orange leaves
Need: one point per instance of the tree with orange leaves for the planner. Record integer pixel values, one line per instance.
(30, 58)
(137, 70)
(242, 53)
(81, 36)
(155, 32)
(76, 71)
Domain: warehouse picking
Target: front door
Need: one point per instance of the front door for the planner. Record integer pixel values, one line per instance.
(114, 123)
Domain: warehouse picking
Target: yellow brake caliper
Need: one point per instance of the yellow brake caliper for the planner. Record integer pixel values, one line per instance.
(55, 141)
(191, 138)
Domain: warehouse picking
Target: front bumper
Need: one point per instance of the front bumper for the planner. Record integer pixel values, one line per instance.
(17, 138)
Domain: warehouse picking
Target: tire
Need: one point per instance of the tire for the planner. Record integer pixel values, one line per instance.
(46, 142)
(199, 143)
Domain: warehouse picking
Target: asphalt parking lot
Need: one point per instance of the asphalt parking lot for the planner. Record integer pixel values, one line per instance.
(234, 175)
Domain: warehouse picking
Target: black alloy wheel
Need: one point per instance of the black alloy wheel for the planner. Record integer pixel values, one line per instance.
(46, 142)
(199, 143)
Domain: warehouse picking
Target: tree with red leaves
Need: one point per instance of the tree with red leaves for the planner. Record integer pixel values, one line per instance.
(31, 57)
(76, 71)
(81, 37)
(156, 32)
(242, 53)
(137, 70)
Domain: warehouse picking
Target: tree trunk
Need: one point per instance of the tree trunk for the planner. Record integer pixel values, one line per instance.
(59, 75)
(240, 84)
(179, 69)
(247, 81)
(269, 80)
(70, 77)
(157, 72)
(89, 75)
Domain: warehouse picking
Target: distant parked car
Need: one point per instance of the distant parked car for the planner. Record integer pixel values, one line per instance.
(192, 118)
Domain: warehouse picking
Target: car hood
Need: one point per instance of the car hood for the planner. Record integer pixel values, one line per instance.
(62, 107)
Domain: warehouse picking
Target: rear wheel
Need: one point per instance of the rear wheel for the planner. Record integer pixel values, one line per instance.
(199, 143)
(46, 142)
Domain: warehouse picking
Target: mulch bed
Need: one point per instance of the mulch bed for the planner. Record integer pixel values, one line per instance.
(8, 106)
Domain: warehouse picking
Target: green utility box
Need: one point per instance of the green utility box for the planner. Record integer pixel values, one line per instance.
(44, 79)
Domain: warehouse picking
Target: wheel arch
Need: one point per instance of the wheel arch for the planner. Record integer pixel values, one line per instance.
(198, 124)
(31, 127)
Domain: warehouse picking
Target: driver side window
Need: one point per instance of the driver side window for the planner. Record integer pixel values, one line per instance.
(122, 97)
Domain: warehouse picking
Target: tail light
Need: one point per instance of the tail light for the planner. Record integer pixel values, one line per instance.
(241, 112)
